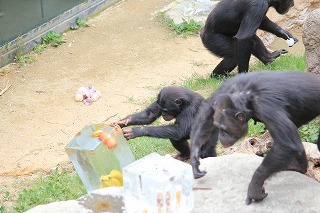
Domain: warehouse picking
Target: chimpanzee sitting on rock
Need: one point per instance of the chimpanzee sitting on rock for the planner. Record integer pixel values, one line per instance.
(230, 32)
(283, 101)
(176, 103)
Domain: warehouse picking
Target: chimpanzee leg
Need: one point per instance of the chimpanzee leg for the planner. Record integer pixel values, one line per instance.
(183, 147)
(243, 50)
(224, 67)
(262, 53)
(221, 46)
(299, 163)
(279, 158)
(209, 148)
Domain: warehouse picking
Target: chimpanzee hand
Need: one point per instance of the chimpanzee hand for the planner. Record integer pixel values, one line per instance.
(130, 133)
(123, 122)
(255, 192)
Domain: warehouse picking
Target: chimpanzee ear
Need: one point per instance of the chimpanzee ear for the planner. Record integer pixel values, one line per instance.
(178, 101)
(240, 116)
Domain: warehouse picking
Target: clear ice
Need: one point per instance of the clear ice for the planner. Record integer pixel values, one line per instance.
(158, 184)
(91, 158)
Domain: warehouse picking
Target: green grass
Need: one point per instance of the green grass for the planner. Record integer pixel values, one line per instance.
(52, 38)
(23, 59)
(284, 62)
(310, 131)
(186, 28)
(58, 186)
(143, 146)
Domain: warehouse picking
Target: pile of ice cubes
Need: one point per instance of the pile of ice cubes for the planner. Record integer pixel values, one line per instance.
(156, 184)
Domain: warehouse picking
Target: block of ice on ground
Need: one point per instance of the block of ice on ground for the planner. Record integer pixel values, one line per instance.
(156, 184)
(91, 158)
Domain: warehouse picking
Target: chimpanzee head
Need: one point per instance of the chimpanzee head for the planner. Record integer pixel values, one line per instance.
(171, 102)
(282, 6)
(231, 122)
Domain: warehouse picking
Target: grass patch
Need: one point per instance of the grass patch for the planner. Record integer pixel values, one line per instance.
(186, 28)
(58, 186)
(23, 59)
(310, 131)
(79, 23)
(284, 62)
(52, 38)
(203, 85)
(143, 146)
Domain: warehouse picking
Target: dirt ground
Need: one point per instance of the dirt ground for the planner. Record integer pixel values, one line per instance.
(125, 53)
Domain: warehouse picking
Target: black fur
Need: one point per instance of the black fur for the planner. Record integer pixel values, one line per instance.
(230, 32)
(283, 101)
(172, 103)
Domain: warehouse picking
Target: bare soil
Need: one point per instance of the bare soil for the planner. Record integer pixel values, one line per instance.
(125, 53)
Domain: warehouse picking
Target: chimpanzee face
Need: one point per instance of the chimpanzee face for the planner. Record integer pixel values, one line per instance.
(283, 6)
(232, 124)
(170, 106)
(167, 115)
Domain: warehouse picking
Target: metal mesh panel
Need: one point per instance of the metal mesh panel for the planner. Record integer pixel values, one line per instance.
(20, 16)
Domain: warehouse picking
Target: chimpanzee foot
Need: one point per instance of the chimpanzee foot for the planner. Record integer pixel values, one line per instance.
(255, 193)
(283, 51)
(218, 76)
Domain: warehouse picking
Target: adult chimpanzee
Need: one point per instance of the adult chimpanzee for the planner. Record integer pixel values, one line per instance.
(176, 103)
(283, 101)
(230, 32)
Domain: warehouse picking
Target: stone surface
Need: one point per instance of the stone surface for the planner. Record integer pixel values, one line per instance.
(222, 189)
(311, 40)
(185, 10)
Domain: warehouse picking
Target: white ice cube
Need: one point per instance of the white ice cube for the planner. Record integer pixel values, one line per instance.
(158, 184)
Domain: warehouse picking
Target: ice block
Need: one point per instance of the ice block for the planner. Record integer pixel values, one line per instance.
(158, 184)
(92, 158)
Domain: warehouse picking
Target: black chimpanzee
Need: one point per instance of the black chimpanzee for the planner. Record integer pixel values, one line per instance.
(230, 32)
(176, 103)
(283, 101)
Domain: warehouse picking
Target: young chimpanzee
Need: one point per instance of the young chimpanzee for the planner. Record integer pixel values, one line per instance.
(176, 103)
(283, 101)
(230, 32)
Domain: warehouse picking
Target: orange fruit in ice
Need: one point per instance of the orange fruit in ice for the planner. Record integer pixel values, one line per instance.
(108, 140)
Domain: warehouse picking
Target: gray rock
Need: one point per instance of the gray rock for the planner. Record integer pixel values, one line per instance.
(222, 189)
(185, 10)
(311, 41)
(102, 200)
(229, 177)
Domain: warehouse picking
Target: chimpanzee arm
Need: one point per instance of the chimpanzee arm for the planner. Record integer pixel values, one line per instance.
(145, 117)
(243, 39)
(286, 153)
(271, 27)
(180, 130)
(202, 130)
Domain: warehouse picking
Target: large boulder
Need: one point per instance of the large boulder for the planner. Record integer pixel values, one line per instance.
(222, 189)
(311, 40)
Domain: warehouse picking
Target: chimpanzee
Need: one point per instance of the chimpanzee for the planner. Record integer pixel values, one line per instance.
(230, 32)
(283, 101)
(176, 103)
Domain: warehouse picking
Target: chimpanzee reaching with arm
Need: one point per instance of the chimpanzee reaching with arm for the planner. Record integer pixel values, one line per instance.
(176, 103)
(230, 32)
(283, 101)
